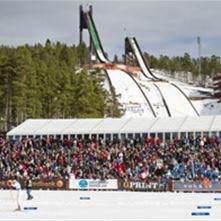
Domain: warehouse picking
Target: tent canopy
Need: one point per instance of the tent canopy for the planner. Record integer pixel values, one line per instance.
(115, 126)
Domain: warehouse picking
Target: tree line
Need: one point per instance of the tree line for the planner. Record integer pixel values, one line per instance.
(210, 66)
(51, 81)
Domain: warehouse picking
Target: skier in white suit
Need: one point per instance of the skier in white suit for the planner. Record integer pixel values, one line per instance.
(17, 186)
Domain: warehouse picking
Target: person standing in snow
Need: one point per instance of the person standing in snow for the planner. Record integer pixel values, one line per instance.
(29, 188)
(17, 186)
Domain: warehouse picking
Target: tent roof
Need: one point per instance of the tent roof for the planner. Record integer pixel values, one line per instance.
(138, 125)
(82, 126)
(197, 123)
(116, 125)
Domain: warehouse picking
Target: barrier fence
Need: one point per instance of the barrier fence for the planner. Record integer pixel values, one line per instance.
(114, 184)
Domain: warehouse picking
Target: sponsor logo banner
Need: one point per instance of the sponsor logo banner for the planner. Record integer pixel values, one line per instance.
(49, 184)
(37, 184)
(5, 184)
(197, 186)
(92, 184)
(151, 186)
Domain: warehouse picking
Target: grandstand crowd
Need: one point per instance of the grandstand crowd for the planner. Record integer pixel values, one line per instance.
(141, 159)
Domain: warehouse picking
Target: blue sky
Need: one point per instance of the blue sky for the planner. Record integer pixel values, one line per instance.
(161, 27)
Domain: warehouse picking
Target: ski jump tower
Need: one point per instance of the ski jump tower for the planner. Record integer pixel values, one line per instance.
(84, 25)
(86, 22)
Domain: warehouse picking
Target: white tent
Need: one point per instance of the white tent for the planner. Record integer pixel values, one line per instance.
(102, 126)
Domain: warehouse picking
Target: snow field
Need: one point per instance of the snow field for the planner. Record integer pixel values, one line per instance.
(131, 97)
(108, 205)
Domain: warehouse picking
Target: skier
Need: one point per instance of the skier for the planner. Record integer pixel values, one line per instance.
(29, 188)
(17, 186)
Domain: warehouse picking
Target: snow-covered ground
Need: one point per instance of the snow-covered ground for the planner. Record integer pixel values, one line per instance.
(107, 205)
(135, 105)
(131, 97)
(177, 103)
(154, 96)
(205, 106)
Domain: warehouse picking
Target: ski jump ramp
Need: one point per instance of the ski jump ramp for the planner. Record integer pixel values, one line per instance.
(152, 97)
(176, 101)
(132, 96)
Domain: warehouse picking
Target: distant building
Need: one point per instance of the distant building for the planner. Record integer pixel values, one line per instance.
(217, 86)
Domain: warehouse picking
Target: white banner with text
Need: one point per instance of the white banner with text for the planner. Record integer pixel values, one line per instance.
(93, 184)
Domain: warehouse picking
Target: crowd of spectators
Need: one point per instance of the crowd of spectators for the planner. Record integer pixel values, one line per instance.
(141, 159)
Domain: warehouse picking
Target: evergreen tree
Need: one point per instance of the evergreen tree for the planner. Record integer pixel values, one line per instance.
(7, 74)
(113, 107)
(82, 54)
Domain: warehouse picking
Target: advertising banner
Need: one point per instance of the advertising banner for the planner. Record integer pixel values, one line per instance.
(49, 184)
(5, 184)
(142, 186)
(53, 184)
(197, 186)
(93, 184)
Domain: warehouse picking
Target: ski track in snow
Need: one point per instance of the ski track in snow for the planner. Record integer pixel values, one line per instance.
(110, 205)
